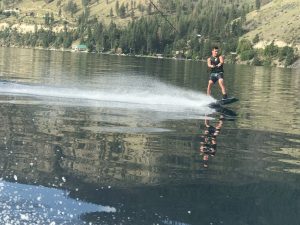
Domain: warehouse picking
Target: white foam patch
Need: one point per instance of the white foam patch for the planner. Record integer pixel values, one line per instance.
(21, 203)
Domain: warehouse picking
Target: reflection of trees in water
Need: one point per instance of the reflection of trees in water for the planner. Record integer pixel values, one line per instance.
(48, 148)
(42, 144)
(46, 143)
(39, 143)
(268, 97)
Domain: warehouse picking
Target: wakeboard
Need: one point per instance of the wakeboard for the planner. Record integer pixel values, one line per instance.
(223, 102)
(227, 101)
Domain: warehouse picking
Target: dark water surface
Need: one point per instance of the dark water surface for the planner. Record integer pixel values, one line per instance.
(99, 139)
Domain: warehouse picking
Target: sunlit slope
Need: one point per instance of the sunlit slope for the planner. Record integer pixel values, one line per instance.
(277, 20)
(103, 10)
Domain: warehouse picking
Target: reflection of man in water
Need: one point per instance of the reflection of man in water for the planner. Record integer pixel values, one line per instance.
(208, 146)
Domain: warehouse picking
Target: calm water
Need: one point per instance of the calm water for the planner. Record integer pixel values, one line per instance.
(97, 139)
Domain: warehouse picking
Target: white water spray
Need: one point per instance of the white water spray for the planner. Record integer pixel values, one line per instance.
(129, 94)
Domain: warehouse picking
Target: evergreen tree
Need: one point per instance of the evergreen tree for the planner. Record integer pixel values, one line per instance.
(206, 49)
(51, 19)
(122, 11)
(257, 4)
(149, 9)
(271, 50)
(290, 58)
(256, 61)
(71, 7)
(85, 3)
(132, 14)
(112, 33)
(255, 39)
(244, 45)
(117, 7)
(141, 8)
(47, 19)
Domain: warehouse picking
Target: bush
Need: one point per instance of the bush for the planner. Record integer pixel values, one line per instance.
(247, 55)
(231, 58)
(256, 61)
(230, 45)
(284, 52)
(290, 59)
(267, 62)
(271, 50)
(71, 7)
(255, 39)
(244, 45)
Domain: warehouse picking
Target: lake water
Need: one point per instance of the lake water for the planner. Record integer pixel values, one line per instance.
(99, 139)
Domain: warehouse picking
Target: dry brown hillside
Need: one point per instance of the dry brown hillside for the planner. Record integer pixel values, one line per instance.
(33, 11)
(276, 21)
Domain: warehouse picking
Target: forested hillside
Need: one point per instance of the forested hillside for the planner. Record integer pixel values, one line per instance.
(185, 28)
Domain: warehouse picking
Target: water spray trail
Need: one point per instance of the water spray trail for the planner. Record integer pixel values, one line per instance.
(152, 95)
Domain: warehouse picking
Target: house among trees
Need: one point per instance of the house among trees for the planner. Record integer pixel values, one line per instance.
(80, 48)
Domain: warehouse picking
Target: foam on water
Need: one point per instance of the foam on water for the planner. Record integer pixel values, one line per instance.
(130, 93)
(41, 205)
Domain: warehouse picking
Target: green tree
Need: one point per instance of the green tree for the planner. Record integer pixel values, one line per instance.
(247, 55)
(112, 34)
(67, 40)
(257, 4)
(230, 45)
(149, 9)
(244, 45)
(71, 7)
(47, 19)
(141, 8)
(255, 39)
(132, 14)
(206, 49)
(85, 3)
(267, 61)
(256, 61)
(122, 11)
(290, 58)
(271, 50)
(51, 19)
(117, 7)
(283, 52)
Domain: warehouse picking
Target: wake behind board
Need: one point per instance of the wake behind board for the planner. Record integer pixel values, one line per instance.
(223, 102)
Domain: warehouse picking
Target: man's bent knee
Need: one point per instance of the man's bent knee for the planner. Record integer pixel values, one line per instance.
(221, 80)
(210, 82)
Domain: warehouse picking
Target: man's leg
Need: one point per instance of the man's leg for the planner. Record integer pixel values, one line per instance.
(222, 86)
(210, 84)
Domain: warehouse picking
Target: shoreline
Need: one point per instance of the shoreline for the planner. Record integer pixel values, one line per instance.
(104, 53)
(295, 65)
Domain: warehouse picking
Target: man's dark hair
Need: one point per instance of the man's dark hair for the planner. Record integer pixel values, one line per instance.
(215, 47)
